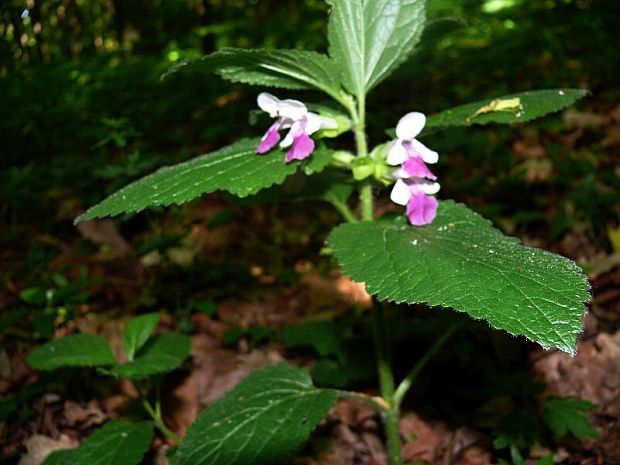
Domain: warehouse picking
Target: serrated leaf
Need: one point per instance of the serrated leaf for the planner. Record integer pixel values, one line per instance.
(237, 169)
(564, 414)
(461, 261)
(287, 69)
(266, 415)
(329, 186)
(137, 331)
(368, 39)
(320, 159)
(160, 354)
(115, 443)
(531, 105)
(75, 350)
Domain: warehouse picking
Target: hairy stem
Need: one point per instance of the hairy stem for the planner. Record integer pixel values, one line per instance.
(358, 116)
(406, 383)
(367, 201)
(359, 123)
(386, 379)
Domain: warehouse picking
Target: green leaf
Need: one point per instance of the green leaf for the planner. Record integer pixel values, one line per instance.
(517, 429)
(564, 414)
(461, 261)
(160, 354)
(532, 104)
(322, 335)
(115, 443)
(369, 39)
(76, 350)
(237, 169)
(266, 415)
(320, 159)
(33, 295)
(61, 457)
(138, 331)
(208, 307)
(515, 455)
(546, 460)
(331, 185)
(355, 365)
(287, 69)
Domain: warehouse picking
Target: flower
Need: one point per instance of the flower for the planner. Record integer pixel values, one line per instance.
(415, 184)
(294, 116)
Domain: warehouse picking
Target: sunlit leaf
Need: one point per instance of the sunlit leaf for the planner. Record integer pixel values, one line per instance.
(461, 261)
(288, 69)
(237, 169)
(369, 39)
(514, 108)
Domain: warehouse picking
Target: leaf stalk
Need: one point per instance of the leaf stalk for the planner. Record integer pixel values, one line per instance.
(406, 383)
(386, 379)
(155, 413)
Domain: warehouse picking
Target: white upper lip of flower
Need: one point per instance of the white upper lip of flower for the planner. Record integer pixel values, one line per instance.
(407, 129)
(301, 124)
(292, 111)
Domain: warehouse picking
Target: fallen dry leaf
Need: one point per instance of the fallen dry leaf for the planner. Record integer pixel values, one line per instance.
(353, 413)
(583, 119)
(593, 374)
(104, 232)
(353, 292)
(423, 439)
(475, 455)
(38, 447)
(86, 416)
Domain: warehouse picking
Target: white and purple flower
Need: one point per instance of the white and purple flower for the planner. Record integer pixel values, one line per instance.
(415, 183)
(301, 123)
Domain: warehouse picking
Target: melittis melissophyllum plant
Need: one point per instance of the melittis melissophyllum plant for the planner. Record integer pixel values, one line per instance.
(438, 252)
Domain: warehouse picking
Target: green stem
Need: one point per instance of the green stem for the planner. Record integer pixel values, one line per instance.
(406, 383)
(344, 210)
(367, 201)
(386, 378)
(155, 414)
(358, 116)
(359, 124)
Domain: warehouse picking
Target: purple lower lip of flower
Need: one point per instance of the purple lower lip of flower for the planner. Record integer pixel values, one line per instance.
(270, 139)
(302, 147)
(421, 209)
(415, 167)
